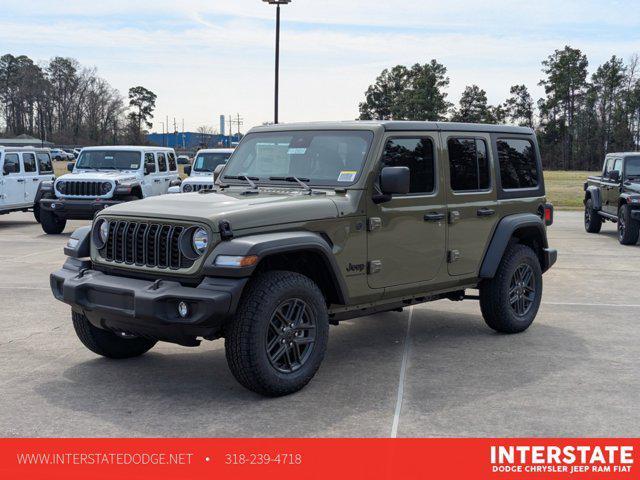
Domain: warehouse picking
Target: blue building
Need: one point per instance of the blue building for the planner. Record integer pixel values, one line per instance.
(192, 140)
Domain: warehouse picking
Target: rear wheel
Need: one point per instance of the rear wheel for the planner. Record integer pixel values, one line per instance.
(51, 223)
(628, 228)
(108, 344)
(510, 300)
(279, 336)
(592, 221)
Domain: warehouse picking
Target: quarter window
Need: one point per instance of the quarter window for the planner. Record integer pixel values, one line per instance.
(468, 164)
(518, 165)
(172, 161)
(44, 163)
(162, 162)
(11, 163)
(418, 155)
(29, 161)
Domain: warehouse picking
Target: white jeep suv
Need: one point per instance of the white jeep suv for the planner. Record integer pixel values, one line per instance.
(202, 172)
(23, 169)
(105, 176)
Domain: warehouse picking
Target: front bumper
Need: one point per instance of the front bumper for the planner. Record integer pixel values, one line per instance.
(147, 308)
(72, 209)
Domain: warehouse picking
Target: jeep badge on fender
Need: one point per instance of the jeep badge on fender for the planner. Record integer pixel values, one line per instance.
(269, 259)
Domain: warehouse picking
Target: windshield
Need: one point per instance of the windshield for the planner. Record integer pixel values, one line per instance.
(314, 156)
(109, 159)
(208, 161)
(632, 166)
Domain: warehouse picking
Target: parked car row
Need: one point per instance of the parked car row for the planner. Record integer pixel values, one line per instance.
(102, 176)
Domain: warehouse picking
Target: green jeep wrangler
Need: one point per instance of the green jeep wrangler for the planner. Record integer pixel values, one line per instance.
(311, 224)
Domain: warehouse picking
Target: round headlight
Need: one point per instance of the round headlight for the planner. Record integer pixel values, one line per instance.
(104, 231)
(61, 186)
(200, 241)
(105, 188)
(187, 188)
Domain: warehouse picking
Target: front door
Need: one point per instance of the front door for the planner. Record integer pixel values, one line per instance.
(148, 182)
(406, 235)
(611, 188)
(12, 182)
(471, 200)
(161, 181)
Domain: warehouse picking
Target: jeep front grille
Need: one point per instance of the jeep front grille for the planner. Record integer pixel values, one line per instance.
(145, 244)
(85, 189)
(201, 186)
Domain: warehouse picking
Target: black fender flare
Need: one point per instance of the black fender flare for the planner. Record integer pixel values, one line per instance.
(503, 234)
(593, 192)
(264, 245)
(42, 189)
(80, 247)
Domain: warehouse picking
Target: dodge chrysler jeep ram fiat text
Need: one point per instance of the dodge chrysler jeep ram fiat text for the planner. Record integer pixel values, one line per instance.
(311, 224)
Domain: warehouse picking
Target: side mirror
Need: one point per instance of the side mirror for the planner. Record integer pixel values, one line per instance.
(70, 166)
(614, 176)
(395, 180)
(217, 170)
(187, 169)
(149, 168)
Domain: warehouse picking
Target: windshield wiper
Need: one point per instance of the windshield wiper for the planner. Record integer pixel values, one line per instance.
(300, 181)
(249, 180)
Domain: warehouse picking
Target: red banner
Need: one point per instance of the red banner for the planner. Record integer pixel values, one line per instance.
(500, 459)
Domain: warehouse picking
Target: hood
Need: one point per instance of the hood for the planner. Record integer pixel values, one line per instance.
(208, 179)
(242, 211)
(632, 187)
(200, 175)
(104, 175)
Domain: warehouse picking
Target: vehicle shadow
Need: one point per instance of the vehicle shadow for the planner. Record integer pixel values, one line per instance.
(192, 392)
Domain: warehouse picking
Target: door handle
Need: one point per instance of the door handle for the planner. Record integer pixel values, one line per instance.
(434, 217)
(485, 212)
(35, 179)
(20, 180)
(157, 181)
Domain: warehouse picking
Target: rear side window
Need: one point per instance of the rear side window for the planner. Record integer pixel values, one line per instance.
(417, 154)
(11, 163)
(468, 164)
(162, 162)
(518, 165)
(44, 163)
(172, 161)
(29, 161)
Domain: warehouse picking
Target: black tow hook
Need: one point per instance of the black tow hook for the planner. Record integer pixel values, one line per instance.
(155, 285)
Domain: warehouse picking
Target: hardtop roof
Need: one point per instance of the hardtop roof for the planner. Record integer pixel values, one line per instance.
(142, 148)
(397, 126)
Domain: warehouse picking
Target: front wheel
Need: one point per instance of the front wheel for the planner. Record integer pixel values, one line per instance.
(510, 300)
(592, 221)
(279, 336)
(628, 228)
(36, 212)
(51, 223)
(108, 344)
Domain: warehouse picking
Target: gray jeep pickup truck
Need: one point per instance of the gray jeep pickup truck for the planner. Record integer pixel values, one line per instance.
(311, 224)
(615, 196)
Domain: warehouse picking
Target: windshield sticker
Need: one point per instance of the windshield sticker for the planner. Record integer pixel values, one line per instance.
(134, 166)
(347, 176)
(297, 151)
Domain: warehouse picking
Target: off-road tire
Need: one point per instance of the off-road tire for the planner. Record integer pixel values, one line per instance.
(496, 309)
(36, 212)
(628, 228)
(108, 344)
(246, 336)
(592, 221)
(50, 222)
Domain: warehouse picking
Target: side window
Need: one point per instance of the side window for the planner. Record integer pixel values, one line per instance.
(162, 162)
(11, 164)
(29, 162)
(418, 155)
(468, 164)
(617, 166)
(608, 166)
(149, 159)
(173, 166)
(518, 165)
(44, 163)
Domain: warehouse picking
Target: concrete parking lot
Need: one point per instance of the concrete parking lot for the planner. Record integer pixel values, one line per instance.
(573, 373)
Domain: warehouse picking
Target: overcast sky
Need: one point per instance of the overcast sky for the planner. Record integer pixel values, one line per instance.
(204, 58)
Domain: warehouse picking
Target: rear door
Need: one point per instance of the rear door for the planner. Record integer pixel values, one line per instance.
(406, 235)
(172, 165)
(161, 180)
(471, 199)
(31, 179)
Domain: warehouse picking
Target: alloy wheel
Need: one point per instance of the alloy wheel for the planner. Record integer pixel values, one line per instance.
(522, 289)
(291, 335)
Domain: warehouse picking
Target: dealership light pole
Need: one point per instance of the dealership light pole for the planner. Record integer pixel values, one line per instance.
(277, 3)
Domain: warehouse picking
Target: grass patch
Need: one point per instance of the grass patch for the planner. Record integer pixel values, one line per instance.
(564, 189)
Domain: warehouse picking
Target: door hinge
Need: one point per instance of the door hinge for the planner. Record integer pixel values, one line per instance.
(453, 255)
(374, 266)
(454, 216)
(374, 223)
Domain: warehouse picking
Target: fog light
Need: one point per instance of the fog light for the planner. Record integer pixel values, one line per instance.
(183, 309)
